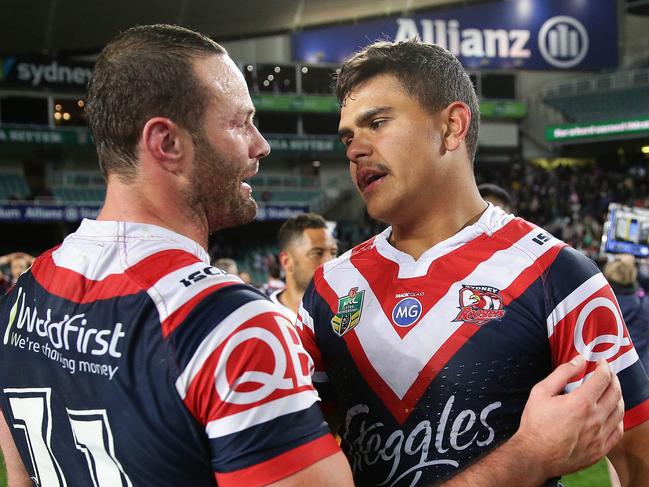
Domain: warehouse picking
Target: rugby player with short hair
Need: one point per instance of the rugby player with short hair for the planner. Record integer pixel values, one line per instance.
(126, 359)
(305, 243)
(431, 336)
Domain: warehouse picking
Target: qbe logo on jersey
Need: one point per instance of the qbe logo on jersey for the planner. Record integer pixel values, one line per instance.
(563, 41)
(406, 312)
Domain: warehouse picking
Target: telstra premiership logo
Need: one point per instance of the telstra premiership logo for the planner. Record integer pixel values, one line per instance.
(6, 65)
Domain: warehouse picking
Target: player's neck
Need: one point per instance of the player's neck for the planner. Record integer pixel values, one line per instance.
(416, 235)
(150, 204)
(291, 296)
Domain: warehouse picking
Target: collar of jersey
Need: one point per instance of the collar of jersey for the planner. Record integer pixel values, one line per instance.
(142, 231)
(492, 219)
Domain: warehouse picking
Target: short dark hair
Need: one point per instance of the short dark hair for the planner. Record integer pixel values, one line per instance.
(144, 72)
(493, 190)
(294, 227)
(428, 73)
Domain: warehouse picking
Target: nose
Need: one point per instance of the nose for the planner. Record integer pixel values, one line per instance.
(259, 148)
(358, 149)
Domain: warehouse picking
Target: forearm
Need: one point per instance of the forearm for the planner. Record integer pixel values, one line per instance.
(509, 464)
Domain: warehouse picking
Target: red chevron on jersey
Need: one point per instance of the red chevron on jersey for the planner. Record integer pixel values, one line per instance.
(514, 249)
(389, 287)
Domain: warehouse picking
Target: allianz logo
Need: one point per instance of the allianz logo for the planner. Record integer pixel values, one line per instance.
(71, 332)
(562, 40)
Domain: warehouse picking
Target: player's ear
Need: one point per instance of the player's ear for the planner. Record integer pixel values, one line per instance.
(457, 118)
(166, 143)
(284, 260)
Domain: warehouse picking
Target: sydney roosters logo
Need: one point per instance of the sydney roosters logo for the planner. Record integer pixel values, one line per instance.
(479, 304)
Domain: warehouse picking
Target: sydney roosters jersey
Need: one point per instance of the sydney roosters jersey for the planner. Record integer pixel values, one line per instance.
(126, 359)
(431, 361)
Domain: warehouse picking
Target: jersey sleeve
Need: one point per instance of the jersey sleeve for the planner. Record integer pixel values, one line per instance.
(584, 318)
(245, 377)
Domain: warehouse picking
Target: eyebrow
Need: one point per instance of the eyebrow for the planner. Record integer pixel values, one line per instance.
(363, 119)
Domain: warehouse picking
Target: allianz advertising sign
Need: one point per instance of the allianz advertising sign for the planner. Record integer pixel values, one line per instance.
(515, 34)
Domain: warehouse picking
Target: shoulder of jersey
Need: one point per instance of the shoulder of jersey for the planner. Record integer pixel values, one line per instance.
(344, 260)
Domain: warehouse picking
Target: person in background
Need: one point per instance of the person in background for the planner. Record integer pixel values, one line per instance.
(17, 263)
(496, 195)
(305, 243)
(622, 273)
(274, 282)
(228, 265)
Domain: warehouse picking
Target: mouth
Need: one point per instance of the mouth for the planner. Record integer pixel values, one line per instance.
(245, 187)
(369, 178)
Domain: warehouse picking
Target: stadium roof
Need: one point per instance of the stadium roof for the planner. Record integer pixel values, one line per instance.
(84, 26)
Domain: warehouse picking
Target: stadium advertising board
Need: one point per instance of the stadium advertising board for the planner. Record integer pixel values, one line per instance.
(32, 72)
(45, 136)
(626, 231)
(32, 213)
(523, 34)
(595, 130)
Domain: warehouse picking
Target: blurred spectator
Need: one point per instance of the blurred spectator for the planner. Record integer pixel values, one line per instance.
(496, 195)
(245, 277)
(15, 264)
(227, 265)
(622, 274)
(274, 282)
(305, 243)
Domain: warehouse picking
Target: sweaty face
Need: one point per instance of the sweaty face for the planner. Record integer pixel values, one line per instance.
(227, 150)
(316, 247)
(393, 146)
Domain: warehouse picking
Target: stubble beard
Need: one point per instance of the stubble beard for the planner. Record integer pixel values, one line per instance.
(214, 194)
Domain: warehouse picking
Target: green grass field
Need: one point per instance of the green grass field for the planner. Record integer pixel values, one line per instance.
(595, 476)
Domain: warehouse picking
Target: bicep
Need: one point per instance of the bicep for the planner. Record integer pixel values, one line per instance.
(16, 473)
(630, 456)
(332, 471)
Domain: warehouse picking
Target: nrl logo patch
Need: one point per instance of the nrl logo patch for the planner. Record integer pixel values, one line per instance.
(349, 312)
(479, 304)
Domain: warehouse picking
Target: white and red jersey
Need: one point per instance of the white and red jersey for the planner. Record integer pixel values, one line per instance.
(126, 359)
(431, 361)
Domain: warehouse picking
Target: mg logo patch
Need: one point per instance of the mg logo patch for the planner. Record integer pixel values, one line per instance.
(349, 311)
(479, 304)
(406, 312)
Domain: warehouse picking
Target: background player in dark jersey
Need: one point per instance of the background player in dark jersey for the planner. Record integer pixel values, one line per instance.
(433, 333)
(305, 243)
(126, 358)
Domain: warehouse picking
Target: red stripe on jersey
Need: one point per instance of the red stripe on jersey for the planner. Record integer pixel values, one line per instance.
(281, 466)
(382, 274)
(71, 285)
(177, 317)
(636, 415)
(531, 274)
(325, 291)
(308, 339)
